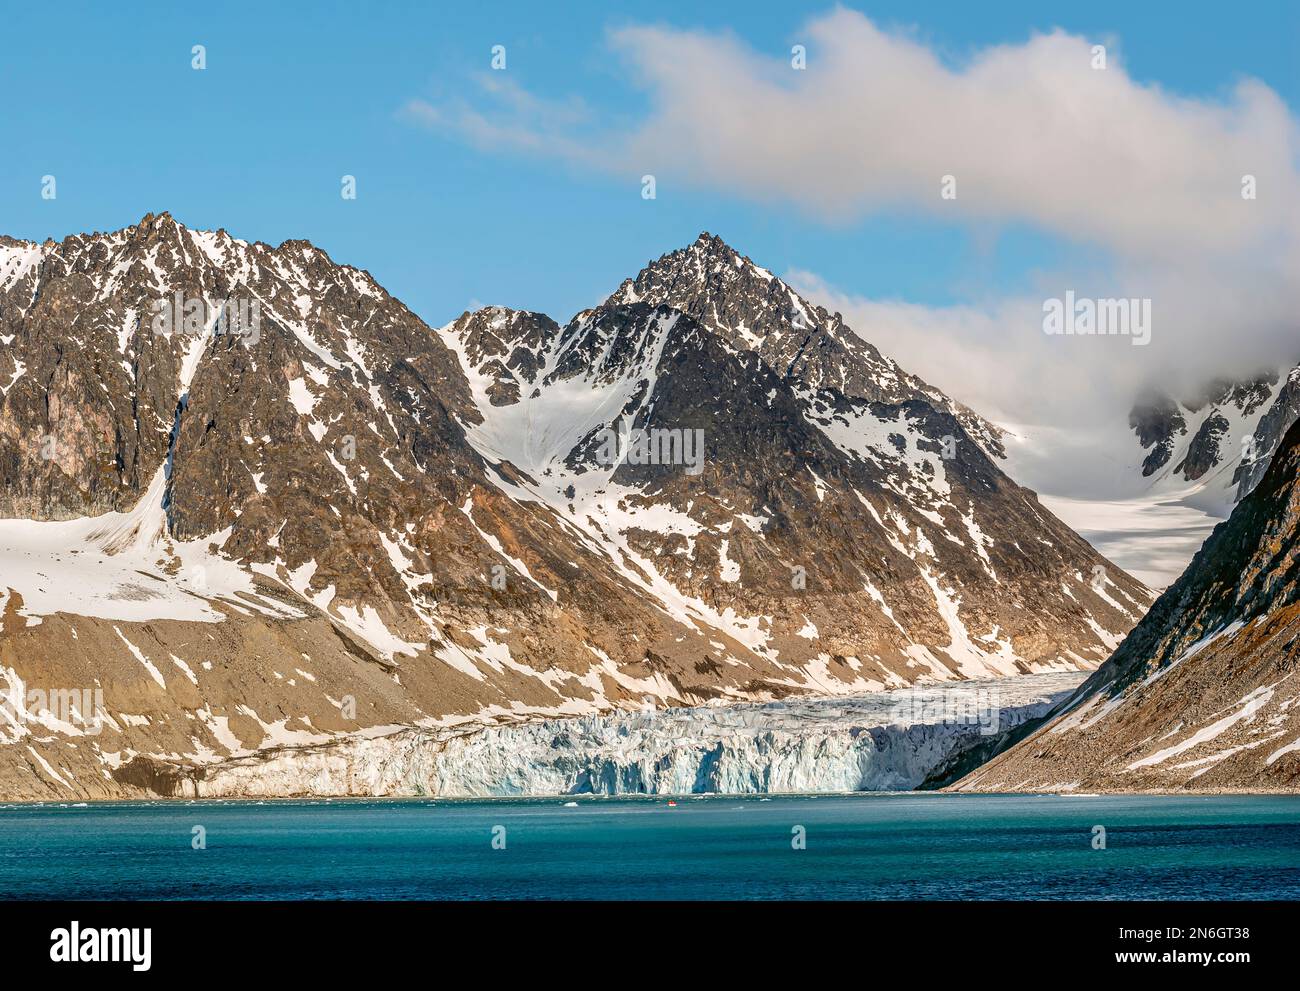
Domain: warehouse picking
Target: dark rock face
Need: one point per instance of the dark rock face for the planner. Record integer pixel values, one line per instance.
(1201, 694)
(704, 488)
(82, 422)
(506, 353)
(1157, 421)
(1204, 452)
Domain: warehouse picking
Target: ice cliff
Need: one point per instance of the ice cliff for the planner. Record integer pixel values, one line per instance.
(878, 742)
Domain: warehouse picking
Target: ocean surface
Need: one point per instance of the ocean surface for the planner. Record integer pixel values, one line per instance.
(876, 846)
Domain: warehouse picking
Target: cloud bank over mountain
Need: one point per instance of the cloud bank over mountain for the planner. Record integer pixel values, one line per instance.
(1148, 182)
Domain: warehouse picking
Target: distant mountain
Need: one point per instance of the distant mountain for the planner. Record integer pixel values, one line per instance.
(1203, 693)
(1220, 441)
(253, 505)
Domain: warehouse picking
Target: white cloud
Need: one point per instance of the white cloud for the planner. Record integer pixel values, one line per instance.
(517, 120)
(1030, 132)
(1033, 134)
(1069, 396)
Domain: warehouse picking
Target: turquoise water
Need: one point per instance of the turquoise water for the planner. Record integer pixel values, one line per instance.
(905, 846)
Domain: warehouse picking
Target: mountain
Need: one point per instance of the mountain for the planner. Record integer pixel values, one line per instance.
(252, 505)
(1202, 695)
(754, 311)
(1216, 446)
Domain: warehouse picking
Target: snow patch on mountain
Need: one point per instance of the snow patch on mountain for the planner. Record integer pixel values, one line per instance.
(123, 566)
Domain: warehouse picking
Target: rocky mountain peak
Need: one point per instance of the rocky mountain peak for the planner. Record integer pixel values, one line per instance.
(715, 254)
(753, 310)
(697, 278)
(507, 347)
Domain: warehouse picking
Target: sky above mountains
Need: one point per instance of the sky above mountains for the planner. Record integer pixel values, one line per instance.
(523, 185)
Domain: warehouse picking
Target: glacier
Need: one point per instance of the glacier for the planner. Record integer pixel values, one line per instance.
(883, 741)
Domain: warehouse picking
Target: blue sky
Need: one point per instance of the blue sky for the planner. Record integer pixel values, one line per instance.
(295, 96)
